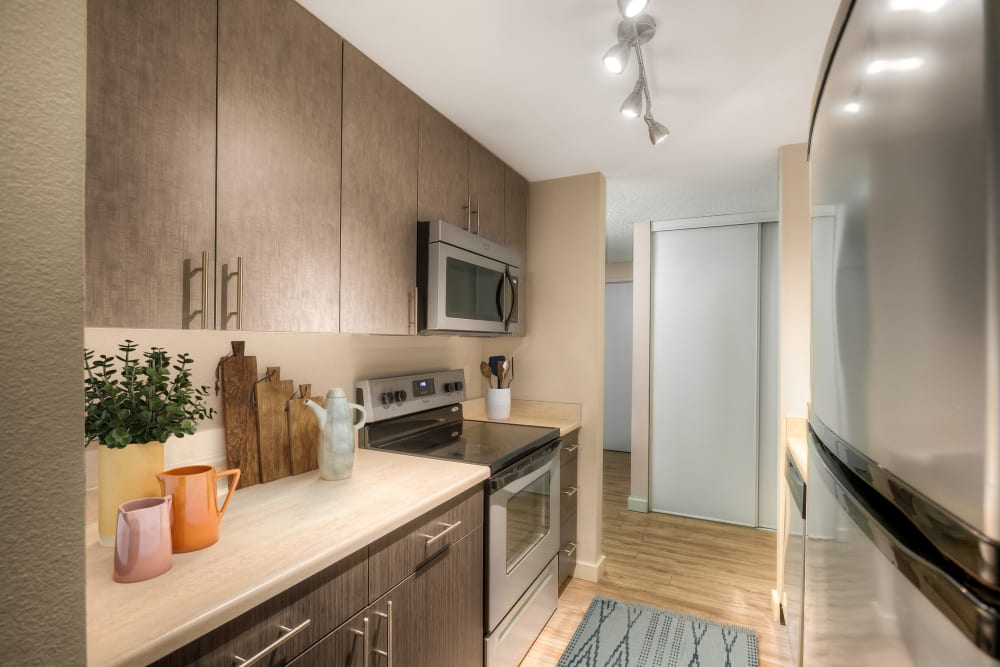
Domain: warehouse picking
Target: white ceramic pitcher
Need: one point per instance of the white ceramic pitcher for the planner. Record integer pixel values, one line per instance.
(335, 453)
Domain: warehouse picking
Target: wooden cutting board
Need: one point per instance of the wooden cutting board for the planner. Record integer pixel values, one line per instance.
(272, 425)
(303, 431)
(238, 375)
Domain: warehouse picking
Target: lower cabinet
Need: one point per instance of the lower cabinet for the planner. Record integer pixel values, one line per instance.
(426, 610)
(434, 618)
(569, 490)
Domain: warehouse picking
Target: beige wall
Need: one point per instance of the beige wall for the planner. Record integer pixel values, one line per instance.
(794, 308)
(42, 76)
(322, 360)
(619, 272)
(562, 358)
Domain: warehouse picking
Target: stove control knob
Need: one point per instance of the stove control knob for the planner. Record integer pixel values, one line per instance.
(400, 396)
(458, 386)
(387, 398)
(449, 387)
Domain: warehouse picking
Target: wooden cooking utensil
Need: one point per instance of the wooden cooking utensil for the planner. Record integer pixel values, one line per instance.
(238, 375)
(484, 368)
(303, 431)
(272, 425)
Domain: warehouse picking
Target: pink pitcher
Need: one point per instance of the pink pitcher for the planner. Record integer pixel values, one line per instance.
(143, 547)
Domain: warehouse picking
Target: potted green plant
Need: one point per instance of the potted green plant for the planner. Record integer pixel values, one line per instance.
(134, 403)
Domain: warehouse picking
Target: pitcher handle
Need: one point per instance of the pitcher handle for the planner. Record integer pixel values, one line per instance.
(360, 424)
(235, 472)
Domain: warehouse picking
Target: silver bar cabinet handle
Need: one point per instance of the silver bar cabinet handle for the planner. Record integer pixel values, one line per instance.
(477, 218)
(239, 293)
(413, 310)
(571, 491)
(386, 654)
(204, 286)
(572, 448)
(468, 214)
(569, 551)
(448, 528)
(365, 636)
(270, 648)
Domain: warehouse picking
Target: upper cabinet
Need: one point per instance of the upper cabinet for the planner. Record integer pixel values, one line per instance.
(443, 170)
(150, 182)
(248, 169)
(459, 181)
(486, 188)
(278, 173)
(379, 200)
(516, 213)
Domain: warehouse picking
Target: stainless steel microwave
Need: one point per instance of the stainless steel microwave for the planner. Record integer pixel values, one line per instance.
(466, 285)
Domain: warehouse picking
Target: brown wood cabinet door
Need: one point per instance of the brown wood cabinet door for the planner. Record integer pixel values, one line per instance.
(379, 206)
(437, 613)
(486, 185)
(279, 167)
(443, 171)
(516, 214)
(150, 183)
(344, 647)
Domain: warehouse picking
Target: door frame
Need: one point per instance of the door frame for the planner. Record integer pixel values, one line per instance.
(638, 499)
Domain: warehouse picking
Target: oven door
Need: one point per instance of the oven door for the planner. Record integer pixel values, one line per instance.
(523, 531)
(466, 292)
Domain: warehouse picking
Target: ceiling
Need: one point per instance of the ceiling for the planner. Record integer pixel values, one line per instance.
(732, 79)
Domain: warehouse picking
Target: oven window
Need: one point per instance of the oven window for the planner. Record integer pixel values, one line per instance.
(471, 291)
(527, 519)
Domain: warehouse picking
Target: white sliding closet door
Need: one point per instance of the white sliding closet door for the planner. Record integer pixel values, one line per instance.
(704, 366)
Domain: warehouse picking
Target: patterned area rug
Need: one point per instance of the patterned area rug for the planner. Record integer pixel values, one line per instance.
(625, 634)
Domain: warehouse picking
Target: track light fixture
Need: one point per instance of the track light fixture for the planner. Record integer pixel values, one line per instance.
(634, 31)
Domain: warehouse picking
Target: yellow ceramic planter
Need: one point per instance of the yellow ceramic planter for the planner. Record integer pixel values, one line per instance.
(122, 475)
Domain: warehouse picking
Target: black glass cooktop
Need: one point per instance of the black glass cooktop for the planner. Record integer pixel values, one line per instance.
(483, 443)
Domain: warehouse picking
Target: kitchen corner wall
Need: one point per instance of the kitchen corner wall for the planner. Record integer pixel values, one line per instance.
(562, 357)
(324, 360)
(795, 316)
(43, 77)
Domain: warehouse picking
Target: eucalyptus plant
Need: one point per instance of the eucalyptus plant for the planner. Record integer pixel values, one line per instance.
(142, 400)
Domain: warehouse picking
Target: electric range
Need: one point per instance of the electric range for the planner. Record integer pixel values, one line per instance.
(421, 415)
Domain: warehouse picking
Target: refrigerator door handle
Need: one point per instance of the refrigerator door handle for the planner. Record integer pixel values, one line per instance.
(959, 542)
(972, 607)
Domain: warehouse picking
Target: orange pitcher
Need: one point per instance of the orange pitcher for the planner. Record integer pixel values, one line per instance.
(196, 510)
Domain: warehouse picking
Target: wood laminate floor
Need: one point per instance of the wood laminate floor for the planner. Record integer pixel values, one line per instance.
(713, 570)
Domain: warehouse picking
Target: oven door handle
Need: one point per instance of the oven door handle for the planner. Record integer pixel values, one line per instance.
(525, 472)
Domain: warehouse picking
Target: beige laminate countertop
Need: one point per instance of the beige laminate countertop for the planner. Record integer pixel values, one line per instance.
(800, 453)
(564, 416)
(273, 536)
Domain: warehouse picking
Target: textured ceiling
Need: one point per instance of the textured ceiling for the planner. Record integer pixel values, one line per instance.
(732, 79)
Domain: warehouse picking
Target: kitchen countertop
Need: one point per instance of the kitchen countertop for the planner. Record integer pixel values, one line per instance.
(795, 441)
(564, 416)
(273, 536)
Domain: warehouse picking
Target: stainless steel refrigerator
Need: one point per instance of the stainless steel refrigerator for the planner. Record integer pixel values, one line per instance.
(902, 561)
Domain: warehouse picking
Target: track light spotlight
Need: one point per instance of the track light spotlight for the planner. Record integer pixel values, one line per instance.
(657, 131)
(632, 106)
(616, 59)
(630, 8)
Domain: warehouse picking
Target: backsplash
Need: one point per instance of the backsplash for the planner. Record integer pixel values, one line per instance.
(324, 360)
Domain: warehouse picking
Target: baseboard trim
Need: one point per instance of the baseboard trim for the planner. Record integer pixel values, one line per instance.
(638, 504)
(590, 571)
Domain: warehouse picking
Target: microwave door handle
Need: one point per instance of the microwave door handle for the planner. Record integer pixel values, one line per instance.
(513, 300)
(500, 290)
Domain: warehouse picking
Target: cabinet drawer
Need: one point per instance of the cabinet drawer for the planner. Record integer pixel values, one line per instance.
(567, 549)
(568, 491)
(344, 647)
(398, 554)
(326, 600)
(568, 446)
